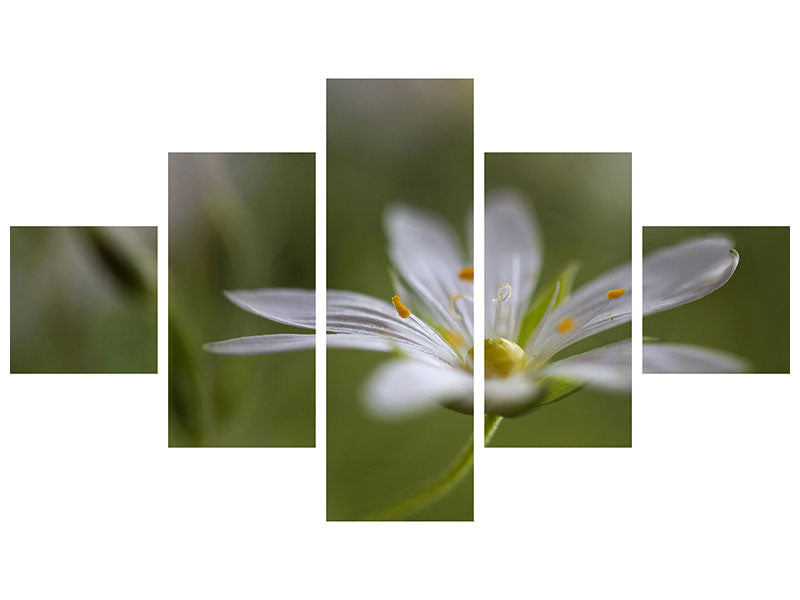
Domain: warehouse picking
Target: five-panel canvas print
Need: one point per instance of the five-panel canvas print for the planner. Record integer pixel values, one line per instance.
(558, 300)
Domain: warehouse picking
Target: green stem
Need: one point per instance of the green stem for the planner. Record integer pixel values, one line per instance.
(440, 487)
(490, 425)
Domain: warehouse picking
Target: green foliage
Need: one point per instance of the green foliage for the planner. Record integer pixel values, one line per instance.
(83, 300)
(237, 221)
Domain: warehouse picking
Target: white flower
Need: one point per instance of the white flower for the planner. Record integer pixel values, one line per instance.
(671, 277)
(429, 320)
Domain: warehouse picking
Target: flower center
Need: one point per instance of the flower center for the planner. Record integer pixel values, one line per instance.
(503, 357)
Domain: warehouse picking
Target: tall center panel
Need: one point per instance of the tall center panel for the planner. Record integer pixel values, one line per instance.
(399, 300)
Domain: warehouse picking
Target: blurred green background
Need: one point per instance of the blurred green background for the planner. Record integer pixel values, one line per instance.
(749, 315)
(83, 300)
(237, 221)
(389, 141)
(583, 203)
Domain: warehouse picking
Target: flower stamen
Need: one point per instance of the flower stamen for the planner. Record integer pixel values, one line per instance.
(565, 325)
(502, 314)
(452, 308)
(400, 307)
(467, 274)
(503, 294)
(613, 294)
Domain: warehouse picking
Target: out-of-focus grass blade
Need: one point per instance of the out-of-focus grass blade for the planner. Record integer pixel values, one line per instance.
(129, 263)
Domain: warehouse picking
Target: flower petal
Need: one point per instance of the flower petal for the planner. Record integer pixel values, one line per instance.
(607, 368)
(403, 387)
(348, 313)
(428, 258)
(287, 342)
(283, 305)
(373, 343)
(671, 277)
(686, 272)
(513, 256)
(686, 358)
(262, 344)
(602, 303)
(510, 396)
(353, 313)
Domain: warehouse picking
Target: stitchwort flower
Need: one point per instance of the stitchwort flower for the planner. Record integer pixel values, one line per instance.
(524, 337)
(428, 322)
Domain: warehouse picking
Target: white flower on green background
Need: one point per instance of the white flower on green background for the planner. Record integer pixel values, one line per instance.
(523, 337)
(429, 322)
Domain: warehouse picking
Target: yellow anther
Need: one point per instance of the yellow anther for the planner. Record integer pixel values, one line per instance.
(612, 294)
(467, 274)
(453, 337)
(565, 325)
(401, 309)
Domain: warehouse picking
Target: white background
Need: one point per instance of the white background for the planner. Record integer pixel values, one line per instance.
(94, 504)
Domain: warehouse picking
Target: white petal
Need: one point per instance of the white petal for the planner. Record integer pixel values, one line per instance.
(686, 272)
(586, 312)
(373, 343)
(607, 368)
(353, 341)
(427, 257)
(262, 344)
(513, 256)
(283, 305)
(353, 313)
(672, 277)
(402, 387)
(287, 342)
(510, 396)
(348, 312)
(685, 358)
